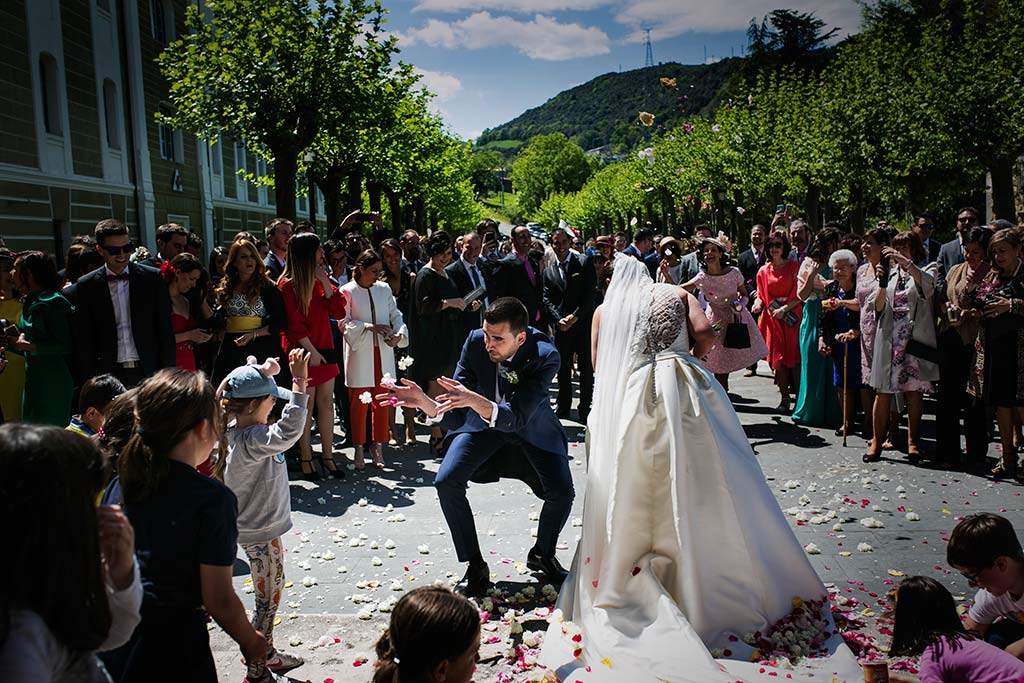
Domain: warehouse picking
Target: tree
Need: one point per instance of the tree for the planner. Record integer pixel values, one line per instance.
(266, 72)
(483, 168)
(548, 164)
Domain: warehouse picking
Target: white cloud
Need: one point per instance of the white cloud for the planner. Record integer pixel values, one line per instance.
(670, 18)
(520, 6)
(443, 85)
(542, 37)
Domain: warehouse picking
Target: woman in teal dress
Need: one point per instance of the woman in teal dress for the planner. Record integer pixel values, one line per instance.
(817, 404)
(45, 340)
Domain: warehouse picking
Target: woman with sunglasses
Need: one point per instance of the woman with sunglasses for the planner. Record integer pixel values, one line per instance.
(776, 285)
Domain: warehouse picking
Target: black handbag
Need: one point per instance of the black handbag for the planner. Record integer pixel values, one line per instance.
(737, 336)
(922, 351)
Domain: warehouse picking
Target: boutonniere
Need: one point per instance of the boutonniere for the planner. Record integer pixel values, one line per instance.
(509, 376)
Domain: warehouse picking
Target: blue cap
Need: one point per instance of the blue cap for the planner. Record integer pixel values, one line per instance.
(248, 382)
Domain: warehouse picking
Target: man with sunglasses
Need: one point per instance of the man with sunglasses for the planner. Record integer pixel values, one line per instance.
(924, 225)
(952, 252)
(122, 313)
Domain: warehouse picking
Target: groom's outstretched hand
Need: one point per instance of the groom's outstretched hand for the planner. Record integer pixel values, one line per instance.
(458, 396)
(407, 394)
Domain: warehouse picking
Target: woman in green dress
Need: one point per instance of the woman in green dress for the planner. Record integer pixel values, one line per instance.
(817, 404)
(45, 339)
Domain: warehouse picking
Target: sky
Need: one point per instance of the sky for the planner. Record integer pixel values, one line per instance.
(488, 61)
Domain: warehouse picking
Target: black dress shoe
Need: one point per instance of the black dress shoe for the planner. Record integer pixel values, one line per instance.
(475, 582)
(554, 572)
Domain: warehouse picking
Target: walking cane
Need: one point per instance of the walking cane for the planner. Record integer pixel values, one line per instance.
(846, 367)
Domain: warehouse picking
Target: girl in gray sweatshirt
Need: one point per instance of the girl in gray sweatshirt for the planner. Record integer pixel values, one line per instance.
(255, 470)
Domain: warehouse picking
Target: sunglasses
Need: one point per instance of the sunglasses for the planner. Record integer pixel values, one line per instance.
(926, 226)
(115, 251)
(964, 219)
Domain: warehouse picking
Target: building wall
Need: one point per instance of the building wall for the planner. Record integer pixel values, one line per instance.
(42, 208)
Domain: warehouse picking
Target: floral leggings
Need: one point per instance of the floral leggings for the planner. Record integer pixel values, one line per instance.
(266, 562)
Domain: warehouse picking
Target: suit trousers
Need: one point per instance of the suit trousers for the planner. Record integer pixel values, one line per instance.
(953, 403)
(575, 343)
(467, 452)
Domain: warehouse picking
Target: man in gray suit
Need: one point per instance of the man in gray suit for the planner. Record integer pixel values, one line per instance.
(689, 266)
(951, 253)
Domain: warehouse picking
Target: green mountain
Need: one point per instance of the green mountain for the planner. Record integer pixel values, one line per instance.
(604, 111)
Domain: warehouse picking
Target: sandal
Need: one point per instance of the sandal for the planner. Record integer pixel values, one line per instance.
(378, 456)
(360, 463)
(331, 469)
(309, 471)
(1005, 470)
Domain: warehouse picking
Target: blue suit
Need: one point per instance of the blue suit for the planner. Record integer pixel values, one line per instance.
(526, 429)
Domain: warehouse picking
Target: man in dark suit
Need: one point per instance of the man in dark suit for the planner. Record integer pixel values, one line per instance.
(924, 225)
(519, 275)
(497, 406)
(171, 240)
(643, 248)
(122, 314)
(951, 253)
(470, 272)
(689, 265)
(569, 288)
(750, 261)
(279, 231)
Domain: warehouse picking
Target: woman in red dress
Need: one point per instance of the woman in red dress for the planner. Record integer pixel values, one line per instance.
(311, 301)
(780, 322)
(181, 275)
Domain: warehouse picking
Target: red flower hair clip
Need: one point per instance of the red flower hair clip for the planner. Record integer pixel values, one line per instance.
(168, 271)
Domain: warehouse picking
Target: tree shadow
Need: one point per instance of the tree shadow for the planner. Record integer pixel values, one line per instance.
(782, 431)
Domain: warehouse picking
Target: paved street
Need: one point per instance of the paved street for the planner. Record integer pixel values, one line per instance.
(360, 542)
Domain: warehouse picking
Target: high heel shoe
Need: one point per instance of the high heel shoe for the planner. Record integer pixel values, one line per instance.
(331, 469)
(378, 456)
(308, 469)
(360, 462)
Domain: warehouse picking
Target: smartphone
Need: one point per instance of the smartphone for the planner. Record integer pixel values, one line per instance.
(884, 280)
(365, 218)
(780, 208)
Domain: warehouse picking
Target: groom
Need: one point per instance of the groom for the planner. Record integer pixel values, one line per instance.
(498, 406)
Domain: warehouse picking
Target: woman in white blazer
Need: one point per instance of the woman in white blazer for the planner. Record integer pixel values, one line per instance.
(373, 328)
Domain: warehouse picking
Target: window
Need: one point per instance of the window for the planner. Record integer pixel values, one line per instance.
(103, 5)
(167, 142)
(162, 18)
(52, 117)
(111, 113)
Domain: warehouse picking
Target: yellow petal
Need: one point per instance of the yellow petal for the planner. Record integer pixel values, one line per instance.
(607, 662)
(668, 83)
(894, 572)
(647, 118)
(288, 584)
(946, 512)
(277, 621)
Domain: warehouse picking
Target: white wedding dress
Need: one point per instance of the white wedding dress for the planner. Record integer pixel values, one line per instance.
(684, 547)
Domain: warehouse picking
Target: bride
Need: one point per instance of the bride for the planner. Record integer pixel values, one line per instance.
(685, 553)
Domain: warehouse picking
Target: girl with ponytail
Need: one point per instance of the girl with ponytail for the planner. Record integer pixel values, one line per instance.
(434, 636)
(185, 535)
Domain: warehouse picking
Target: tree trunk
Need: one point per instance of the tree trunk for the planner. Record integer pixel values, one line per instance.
(813, 207)
(330, 186)
(395, 207)
(373, 189)
(354, 201)
(1001, 190)
(286, 167)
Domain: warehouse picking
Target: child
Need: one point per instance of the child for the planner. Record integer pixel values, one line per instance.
(434, 635)
(984, 548)
(93, 399)
(257, 473)
(185, 535)
(926, 624)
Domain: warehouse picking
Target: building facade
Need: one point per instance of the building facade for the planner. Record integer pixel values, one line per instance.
(79, 140)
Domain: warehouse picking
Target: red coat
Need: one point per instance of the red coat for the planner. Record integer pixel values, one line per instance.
(314, 324)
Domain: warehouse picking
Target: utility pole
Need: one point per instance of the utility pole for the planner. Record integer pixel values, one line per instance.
(649, 56)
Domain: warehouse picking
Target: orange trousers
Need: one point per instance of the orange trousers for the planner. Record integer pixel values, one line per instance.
(378, 414)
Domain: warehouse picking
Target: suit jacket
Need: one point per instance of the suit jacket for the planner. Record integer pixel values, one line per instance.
(274, 269)
(934, 247)
(153, 261)
(650, 259)
(573, 294)
(510, 279)
(749, 264)
(950, 254)
(689, 266)
(525, 408)
(96, 327)
(464, 283)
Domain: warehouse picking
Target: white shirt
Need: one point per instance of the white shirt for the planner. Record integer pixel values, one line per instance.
(988, 607)
(119, 297)
(498, 398)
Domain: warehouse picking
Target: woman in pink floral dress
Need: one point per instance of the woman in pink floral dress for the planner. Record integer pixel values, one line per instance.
(723, 288)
